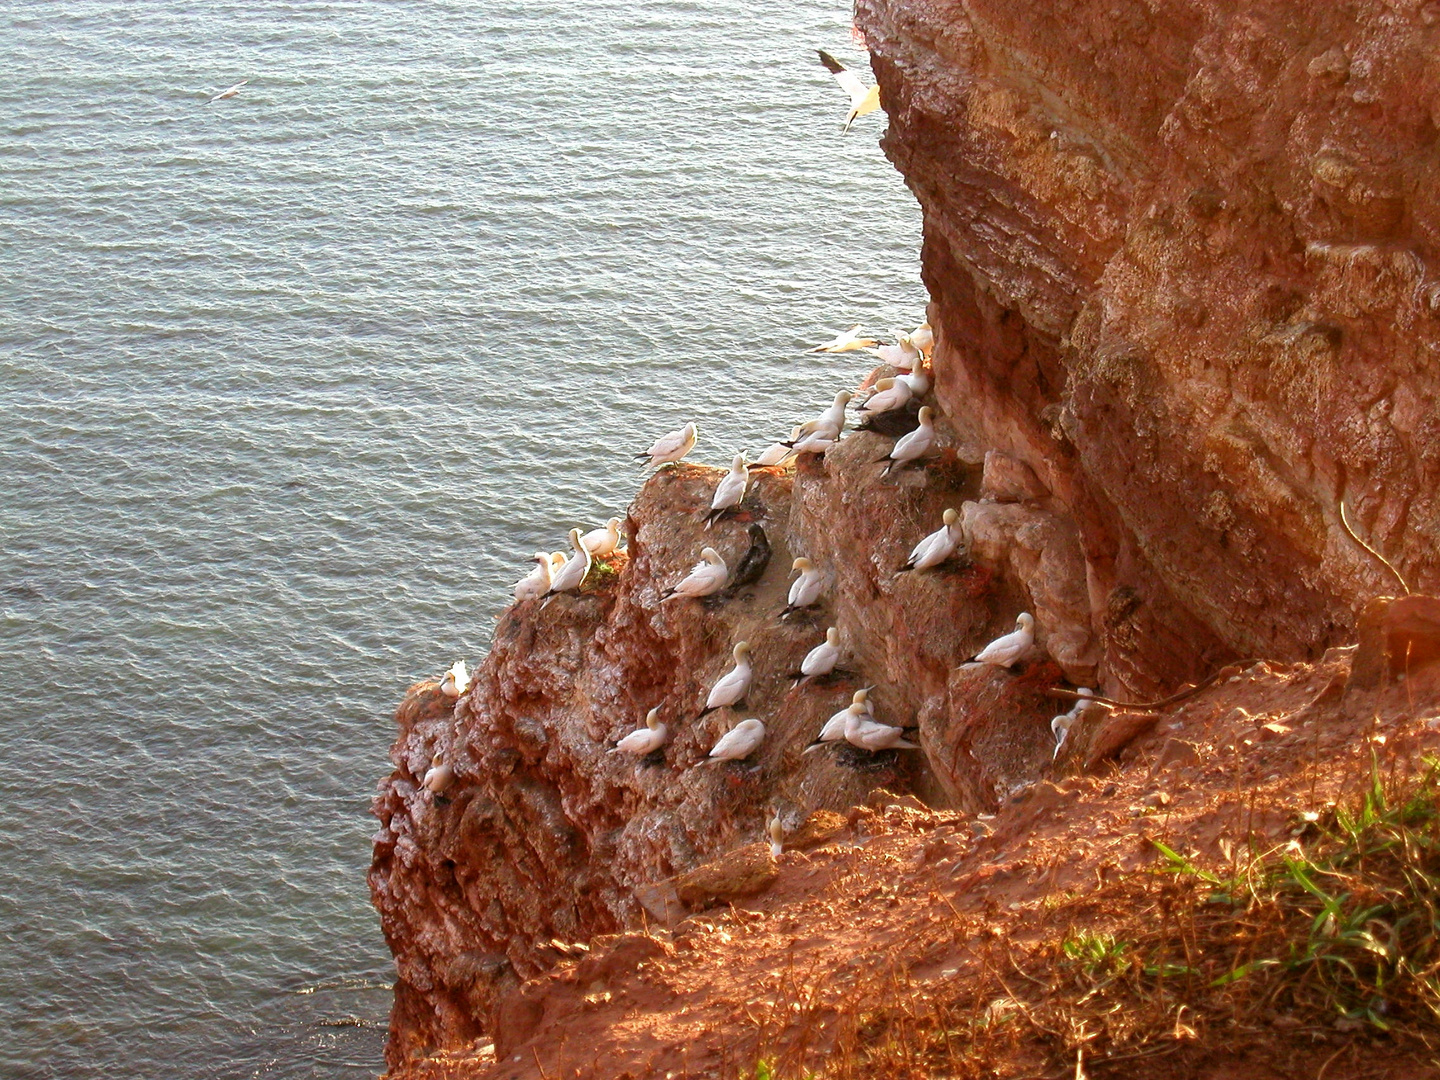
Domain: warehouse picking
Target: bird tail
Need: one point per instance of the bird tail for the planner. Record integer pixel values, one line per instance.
(901, 744)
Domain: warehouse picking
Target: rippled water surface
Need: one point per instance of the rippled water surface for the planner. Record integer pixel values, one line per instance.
(294, 382)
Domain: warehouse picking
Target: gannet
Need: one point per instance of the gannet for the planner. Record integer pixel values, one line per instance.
(777, 453)
(818, 435)
(752, 564)
(834, 729)
(1004, 651)
(777, 837)
(738, 743)
(918, 381)
(1061, 725)
(874, 736)
(602, 542)
(902, 356)
(847, 341)
(644, 740)
(863, 99)
(815, 443)
(228, 93)
(938, 546)
(889, 394)
(455, 681)
(731, 688)
(537, 582)
(820, 660)
(438, 777)
(915, 445)
(671, 447)
(923, 338)
(729, 491)
(708, 576)
(570, 576)
(805, 592)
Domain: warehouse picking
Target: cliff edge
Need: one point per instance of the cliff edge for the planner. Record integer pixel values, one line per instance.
(1178, 257)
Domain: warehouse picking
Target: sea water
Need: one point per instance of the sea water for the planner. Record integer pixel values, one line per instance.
(295, 382)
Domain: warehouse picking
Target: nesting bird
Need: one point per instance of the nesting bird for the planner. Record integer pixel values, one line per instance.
(537, 582)
(863, 99)
(820, 660)
(818, 435)
(1005, 651)
(805, 591)
(834, 729)
(847, 341)
(874, 736)
(892, 393)
(777, 453)
(738, 743)
(455, 681)
(902, 356)
(731, 688)
(1061, 725)
(708, 576)
(752, 564)
(439, 776)
(923, 338)
(644, 740)
(570, 576)
(917, 444)
(602, 542)
(938, 546)
(729, 491)
(672, 447)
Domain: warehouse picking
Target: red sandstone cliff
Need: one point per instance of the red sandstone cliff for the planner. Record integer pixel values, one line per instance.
(1178, 256)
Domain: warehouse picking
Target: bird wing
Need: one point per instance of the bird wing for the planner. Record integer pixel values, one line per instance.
(846, 78)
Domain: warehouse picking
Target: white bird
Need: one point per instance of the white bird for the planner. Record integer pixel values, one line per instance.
(816, 442)
(738, 743)
(923, 338)
(1061, 725)
(918, 381)
(672, 447)
(570, 576)
(914, 445)
(729, 491)
(644, 740)
(777, 837)
(438, 777)
(805, 592)
(777, 453)
(820, 434)
(863, 99)
(902, 356)
(847, 341)
(455, 681)
(820, 660)
(873, 736)
(834, 729)
(708, 576)
(731, 688)
(1005, 650)
(537, 582)
(889, 394)
(938, 546)
(228, 93)
(602, 542)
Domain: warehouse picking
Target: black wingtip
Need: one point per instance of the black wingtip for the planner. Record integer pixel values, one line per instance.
(831, 64)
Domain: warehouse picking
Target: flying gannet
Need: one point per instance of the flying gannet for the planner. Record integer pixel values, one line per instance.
(708, 576)
(229, 92)
(455, 681)
(438, 777)
(847, 341)
(863, 99)
(938, 546)
(537, 582)
(644, 740)
(908, 448)
(805, 592)
(602, 542)
(738, 743)
(1005, 651)
(729, 491)
(731, 688)
(672, 447)
(570, 576)
(820, 660)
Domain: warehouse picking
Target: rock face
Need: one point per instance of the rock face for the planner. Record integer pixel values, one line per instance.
(1179, 265)
(1180, 260)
